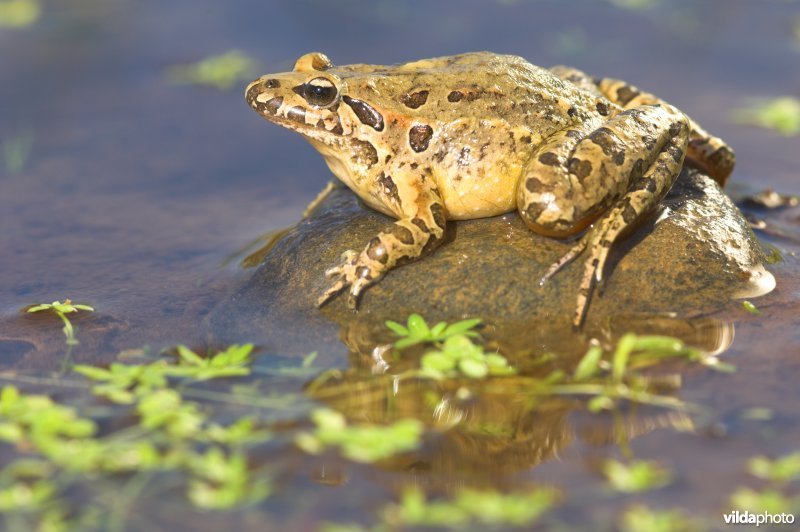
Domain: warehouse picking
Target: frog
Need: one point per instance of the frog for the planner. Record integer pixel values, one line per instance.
(582, 159)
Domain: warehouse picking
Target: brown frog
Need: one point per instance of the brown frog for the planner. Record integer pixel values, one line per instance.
(482, 134)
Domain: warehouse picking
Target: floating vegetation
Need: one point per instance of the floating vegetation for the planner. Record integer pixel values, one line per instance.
(222, 71)
(62, 449)
(471, 507)
(360, 443)
(19, 13)
(17, 151)
(61, 310)
(779, 114)
(751, 308)
(635, 477)
(417, 331)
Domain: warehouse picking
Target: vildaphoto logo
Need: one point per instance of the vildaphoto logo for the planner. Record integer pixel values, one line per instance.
(764, 518)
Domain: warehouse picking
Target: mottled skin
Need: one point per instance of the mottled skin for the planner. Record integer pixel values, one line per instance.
(482, 134)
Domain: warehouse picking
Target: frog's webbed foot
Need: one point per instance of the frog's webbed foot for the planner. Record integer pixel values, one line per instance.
(351, 272)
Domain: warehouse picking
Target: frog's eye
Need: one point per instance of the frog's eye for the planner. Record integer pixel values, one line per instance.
(319, 92)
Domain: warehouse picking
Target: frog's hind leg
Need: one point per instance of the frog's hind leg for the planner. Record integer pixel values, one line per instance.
(707, 152)
(607, 174)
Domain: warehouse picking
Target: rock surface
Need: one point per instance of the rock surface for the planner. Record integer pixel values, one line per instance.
(691, 258)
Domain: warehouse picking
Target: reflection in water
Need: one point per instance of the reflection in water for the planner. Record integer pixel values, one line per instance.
(509, 424)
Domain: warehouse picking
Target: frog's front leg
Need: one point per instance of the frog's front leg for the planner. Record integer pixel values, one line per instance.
(608, 174)
(420, 226)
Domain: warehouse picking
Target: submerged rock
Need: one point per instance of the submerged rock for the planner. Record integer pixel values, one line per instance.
(693, 256)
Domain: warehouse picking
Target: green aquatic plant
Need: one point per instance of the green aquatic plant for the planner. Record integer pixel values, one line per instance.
(459, 356)
(751, 308)
(61, 310)
(17, 150)
(779, 114)
(470, 506)
(222, 71)
(19, 13)
(778, 471)
(168, 433)
(360, 443)
(417, 330)
(636, 476)
(124, 383)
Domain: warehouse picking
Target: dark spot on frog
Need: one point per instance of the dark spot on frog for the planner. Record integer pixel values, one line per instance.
(649, 142)
(463, 157)
(625, 94)
(421, 224)
(549, 158)
(419, 136)
(402, 234)
(526, 139)
(619, 158)
(415, 99)
(628, 213)
(484, 150)
(677, 154)
(455, 96)
(534, 186)
(437, 210)
(580, 168)
(377, 251)
(648, 184)
(675, 128)
(365, 113)
(573, 134)
(638, 168)
(388, 187)
(297, 114)
(364, 152)
(271, 106)
(602, 108)
(272, 84)
(572, 111)
(387, 158)
(414, 166)
(606, 139)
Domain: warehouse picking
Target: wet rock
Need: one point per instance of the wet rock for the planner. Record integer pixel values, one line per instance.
(693, 256)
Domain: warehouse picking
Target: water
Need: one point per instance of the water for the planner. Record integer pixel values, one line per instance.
(136, 192)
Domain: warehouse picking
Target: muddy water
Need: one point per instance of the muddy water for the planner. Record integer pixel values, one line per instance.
(136, 192)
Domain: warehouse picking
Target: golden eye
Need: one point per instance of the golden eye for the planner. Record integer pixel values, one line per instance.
(319, 92)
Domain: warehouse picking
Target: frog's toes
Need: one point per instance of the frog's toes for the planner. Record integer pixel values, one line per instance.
(356, 271)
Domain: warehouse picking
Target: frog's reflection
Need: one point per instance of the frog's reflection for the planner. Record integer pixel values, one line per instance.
(501, 426)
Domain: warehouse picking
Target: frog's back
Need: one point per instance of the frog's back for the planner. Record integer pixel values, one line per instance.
(491, 86)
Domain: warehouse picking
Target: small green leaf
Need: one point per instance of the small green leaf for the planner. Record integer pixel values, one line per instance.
(474, 369)
(588, 365)
(394, 327)
(417, 326)
(438, 361)
(462, 326)
(751, 308)
(619, 360)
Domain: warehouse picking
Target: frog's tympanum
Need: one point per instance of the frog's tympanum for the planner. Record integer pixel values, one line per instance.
(482, 134)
